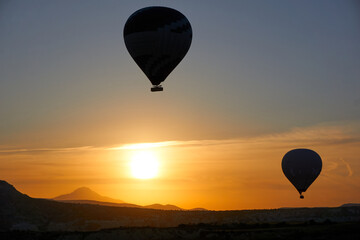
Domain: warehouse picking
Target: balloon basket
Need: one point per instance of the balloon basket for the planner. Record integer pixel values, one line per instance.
(157, 88)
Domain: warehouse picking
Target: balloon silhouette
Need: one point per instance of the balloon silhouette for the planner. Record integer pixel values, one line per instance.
(301, 167)
(157, 38)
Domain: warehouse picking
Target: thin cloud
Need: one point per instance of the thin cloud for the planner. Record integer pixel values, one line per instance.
(44, 150)
(145, 145)
(315, 135)
(348, 167)
(331, 166)
(190, 143)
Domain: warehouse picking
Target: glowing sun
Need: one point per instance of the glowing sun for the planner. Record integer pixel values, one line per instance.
(144, 165)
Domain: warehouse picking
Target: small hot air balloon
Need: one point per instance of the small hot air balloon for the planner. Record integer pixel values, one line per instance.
(301, 167)
(157, 38)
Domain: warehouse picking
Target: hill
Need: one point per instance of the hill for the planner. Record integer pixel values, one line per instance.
(163, 207)
(85, 193)
(101, 203)
(21, 212)
(351, 205)
(88, 196)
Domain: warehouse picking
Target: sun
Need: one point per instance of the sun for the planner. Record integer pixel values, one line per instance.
(144, 165)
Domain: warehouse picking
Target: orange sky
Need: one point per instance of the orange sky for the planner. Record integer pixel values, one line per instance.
(241, 173)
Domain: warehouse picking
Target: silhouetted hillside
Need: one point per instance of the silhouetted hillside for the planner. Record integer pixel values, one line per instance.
(153, 206)
(20, 212)
(101, 203)
(351, 205)
(163, 207)
(85, 193)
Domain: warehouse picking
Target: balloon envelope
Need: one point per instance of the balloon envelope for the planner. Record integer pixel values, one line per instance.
(301, 167)
(157, 38)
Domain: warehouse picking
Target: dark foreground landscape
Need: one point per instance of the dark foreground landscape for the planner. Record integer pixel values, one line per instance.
(23, 217)
(309, 230)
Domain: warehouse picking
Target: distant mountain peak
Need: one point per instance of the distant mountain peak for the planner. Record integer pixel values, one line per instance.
(84, 190)
(85, 193)
(163, 207)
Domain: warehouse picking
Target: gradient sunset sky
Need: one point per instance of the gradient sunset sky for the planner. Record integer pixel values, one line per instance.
(260, 78)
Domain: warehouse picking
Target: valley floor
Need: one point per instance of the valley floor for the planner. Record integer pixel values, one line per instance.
(303, 231)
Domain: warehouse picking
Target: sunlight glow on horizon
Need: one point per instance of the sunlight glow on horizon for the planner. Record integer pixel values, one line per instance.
(214, 174)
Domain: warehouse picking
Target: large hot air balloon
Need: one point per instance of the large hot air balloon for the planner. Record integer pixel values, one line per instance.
(301, 167)
(157, 38)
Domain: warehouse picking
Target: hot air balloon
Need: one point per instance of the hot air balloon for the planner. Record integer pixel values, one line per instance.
(301, 167)
(157, 38)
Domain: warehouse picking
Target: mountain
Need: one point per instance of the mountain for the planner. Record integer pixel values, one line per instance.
(101, 203)
(23, 213)
(198, 209)
(163, 207)
(88, 196)
(85, 193)
(172, 207)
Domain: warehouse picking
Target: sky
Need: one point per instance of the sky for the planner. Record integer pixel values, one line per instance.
(260, 78)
